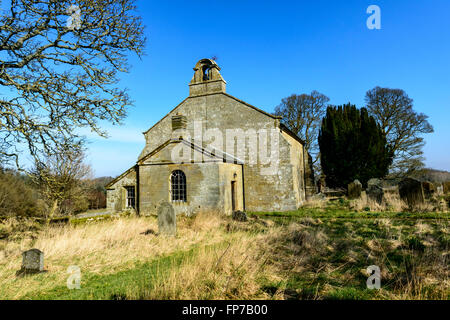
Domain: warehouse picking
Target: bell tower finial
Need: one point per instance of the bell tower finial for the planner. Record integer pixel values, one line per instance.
(207, 79)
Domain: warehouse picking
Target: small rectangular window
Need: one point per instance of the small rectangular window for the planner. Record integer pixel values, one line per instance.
(131, 203)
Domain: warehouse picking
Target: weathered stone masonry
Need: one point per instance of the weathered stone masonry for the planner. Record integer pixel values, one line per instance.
(215, 184)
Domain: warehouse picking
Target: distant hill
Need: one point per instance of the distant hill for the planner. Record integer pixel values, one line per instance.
(102, 181)
(432, 175)
(97, 192)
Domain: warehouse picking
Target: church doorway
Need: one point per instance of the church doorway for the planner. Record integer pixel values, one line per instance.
(233, 196)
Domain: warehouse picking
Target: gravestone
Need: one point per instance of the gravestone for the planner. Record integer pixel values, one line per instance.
(354, 190)
(167, 220)
(440, 189)
(32, 262)
(429, 189)
(446, 187)
(411, 191)
(375, 182)
(375, 193)
(391, 192)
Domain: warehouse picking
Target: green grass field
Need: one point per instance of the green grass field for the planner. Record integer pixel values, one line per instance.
(326, 258)
(304, 254)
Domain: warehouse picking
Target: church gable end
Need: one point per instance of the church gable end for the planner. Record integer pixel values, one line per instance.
(216, 174)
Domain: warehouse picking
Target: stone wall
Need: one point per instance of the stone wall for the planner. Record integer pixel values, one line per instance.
(284, 190)
(278, 185)
(208, 187)
(116, 192)
(296, 163)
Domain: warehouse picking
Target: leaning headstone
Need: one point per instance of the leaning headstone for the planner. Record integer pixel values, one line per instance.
(354, 190)
(167, 220)
(239, 216)
(375, 193)
(429, 189)
(32, 262)
(411, 191)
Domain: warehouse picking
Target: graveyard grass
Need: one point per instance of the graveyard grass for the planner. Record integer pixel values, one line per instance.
(312, 253)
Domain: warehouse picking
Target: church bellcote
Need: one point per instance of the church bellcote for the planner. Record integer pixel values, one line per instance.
(207, 79)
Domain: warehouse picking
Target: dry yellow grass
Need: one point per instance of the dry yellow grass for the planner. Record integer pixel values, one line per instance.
(390, 203)
(103, 248)
(316, 203)
(213, 257)
(229, 273)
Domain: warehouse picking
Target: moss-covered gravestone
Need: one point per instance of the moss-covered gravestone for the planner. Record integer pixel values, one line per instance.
(429, 189)
(167, 220)
(32, 262)
(411, 191)
(375, 193)
(354, 190)
(446, 187)
(374, 190)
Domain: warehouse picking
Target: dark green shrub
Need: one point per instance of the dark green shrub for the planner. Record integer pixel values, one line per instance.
(352, 146)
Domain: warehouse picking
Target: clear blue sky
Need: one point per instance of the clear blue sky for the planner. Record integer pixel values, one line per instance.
(271, 49)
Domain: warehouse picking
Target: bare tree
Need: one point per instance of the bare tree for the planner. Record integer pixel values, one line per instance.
(403, 127)
(3, 196)
(59, 66)
(59, 180)
(303, 114)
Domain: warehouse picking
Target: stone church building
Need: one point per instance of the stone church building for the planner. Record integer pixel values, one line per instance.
(220, 178)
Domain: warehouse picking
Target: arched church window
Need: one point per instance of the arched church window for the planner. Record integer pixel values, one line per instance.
(178, 186)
